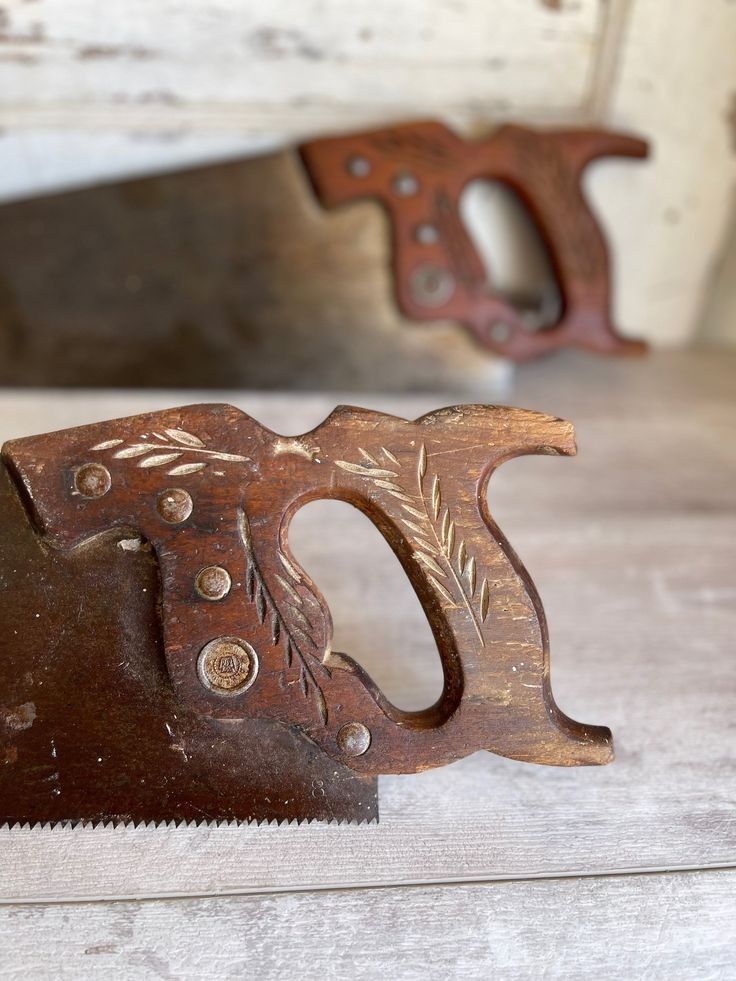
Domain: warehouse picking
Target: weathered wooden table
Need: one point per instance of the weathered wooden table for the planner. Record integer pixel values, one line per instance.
(487, 867)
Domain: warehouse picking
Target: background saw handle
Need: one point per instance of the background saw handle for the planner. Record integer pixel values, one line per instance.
(418, 173)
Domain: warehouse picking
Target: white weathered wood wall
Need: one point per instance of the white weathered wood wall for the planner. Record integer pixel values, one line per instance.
(90, 91)
(719, 319)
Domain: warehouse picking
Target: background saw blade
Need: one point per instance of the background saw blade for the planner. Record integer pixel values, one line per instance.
(221, 276)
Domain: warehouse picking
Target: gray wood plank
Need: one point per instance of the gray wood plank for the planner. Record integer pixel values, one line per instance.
(665, 926)
(639, 583)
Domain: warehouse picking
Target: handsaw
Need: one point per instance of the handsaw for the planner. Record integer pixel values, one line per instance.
(165, 657)
(344, 262)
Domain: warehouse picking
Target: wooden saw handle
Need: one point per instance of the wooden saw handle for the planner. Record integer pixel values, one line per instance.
(418, 173)
(246, 631)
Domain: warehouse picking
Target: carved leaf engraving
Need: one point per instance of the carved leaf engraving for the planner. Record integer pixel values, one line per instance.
(176, 443)
(411, 147)
(186, 468)
(289, 619)
(159, 459)
(436, 546)
(108, 444)
(186, 439)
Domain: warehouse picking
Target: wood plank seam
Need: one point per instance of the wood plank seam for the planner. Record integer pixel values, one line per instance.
(445, 882)
(614, 17)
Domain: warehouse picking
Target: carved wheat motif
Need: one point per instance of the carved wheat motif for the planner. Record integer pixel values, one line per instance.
(294, 633)
(416, 148)
(170, 446)
(433, 533)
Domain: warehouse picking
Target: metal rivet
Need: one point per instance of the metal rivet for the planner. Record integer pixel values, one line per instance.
(227, 665)
(405, 184)
(426, 234)
(213, 583)
(174, 505)
(358, 166)
(92, 480)
(431, 286)
(354, 738)
(500, 332)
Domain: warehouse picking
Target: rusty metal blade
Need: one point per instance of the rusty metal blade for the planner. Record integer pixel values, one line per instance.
(90, 727)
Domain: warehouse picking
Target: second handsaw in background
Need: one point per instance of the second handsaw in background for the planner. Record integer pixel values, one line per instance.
(246, 273)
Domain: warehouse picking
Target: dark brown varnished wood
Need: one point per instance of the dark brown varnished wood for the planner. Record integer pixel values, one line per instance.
(246, 634)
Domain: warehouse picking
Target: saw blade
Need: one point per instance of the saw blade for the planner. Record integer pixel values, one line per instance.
(91, 730)
(223, 276)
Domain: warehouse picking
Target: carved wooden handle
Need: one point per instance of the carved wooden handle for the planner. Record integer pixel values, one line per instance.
(418, 173)
(246, 631)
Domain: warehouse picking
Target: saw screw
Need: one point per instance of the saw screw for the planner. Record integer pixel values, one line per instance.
(358, 166)
(426, 234)
(431, 286)
(354, 738)
(92, 480)
(405, 184)
(174, 505)
(213, 583)
(500, 332)
(227, 665)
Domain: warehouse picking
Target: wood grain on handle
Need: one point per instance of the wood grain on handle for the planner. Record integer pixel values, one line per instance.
(246, 632)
